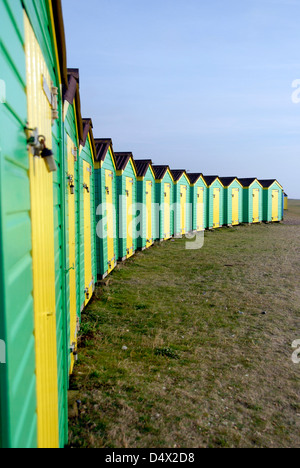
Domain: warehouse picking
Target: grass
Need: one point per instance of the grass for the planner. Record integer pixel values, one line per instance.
(188, 348)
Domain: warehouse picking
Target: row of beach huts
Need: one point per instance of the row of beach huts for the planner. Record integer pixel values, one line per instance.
(70, 209)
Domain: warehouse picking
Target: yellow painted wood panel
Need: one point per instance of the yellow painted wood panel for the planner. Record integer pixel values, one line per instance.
(110, 220)
(43, 263)
(216, 207)
(255, 205)
(72, 251)
(200, 209)
(129, 216)
(167, 211)
(149, 214)
(183, 190)
(235, 207)
(89, 283)
(275, 205)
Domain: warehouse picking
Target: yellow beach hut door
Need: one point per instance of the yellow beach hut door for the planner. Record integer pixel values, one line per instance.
(129, 216)
(149, 213)
(275, 205)
(235, 207)
(110, 220)
(167, 211)
(256, 205)
(183, 191)
(89, 282)
(216, 207)
(72, 250)
(200, 209)
(42, 224)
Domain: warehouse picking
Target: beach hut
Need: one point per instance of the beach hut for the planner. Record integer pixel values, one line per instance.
(233, 201)
(73, 134)
(126, 191)
(106, 204)
(146, 203)
(33, 373)
(199, 201)
(215, 202)
(272, 201)
(252, 200)
(164, 200)
(183, 213)
(87, 258)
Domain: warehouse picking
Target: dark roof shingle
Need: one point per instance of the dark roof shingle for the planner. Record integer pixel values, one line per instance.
(193, 178)
(102, 146)
(247, 181)
(226, 181)
(142, 166)
(267, 183)
(210, 179)
(177, 174)
(122, 159)
(160, 171)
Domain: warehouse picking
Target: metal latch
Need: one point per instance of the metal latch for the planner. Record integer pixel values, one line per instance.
(85, 186)
(73, 351)
(75, 152)
(71, 184)
(39, 149)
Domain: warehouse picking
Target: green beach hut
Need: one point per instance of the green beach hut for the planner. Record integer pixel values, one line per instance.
(252, 200)
(233, 201)
(126, 191)
(106, 207)
(215, 202)
(33, 344)
(183, 213)
(145, 203)
(272, 201)
(199, 201)
(164, 183)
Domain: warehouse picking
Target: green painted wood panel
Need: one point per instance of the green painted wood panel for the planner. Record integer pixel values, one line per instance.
(17, 315)
(177, 208)
(248, 203)
(228, 203)
(86, 155)
(193, 197)
(210, 204)
(268, 203)
(160, 201)
(18, 421)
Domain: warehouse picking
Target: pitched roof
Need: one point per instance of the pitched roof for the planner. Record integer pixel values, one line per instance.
(177, 174)
(87, 125)
(194, 178)
(71, 92)
(142, 166)
(226, 181)
(267, 183)
(247, 182)
(210, 179)
(102, 146)
(122, 159)
(61, 40)
(160, 171)
(88, 130)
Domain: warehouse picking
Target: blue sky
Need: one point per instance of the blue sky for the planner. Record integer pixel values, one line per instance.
(200, 85)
